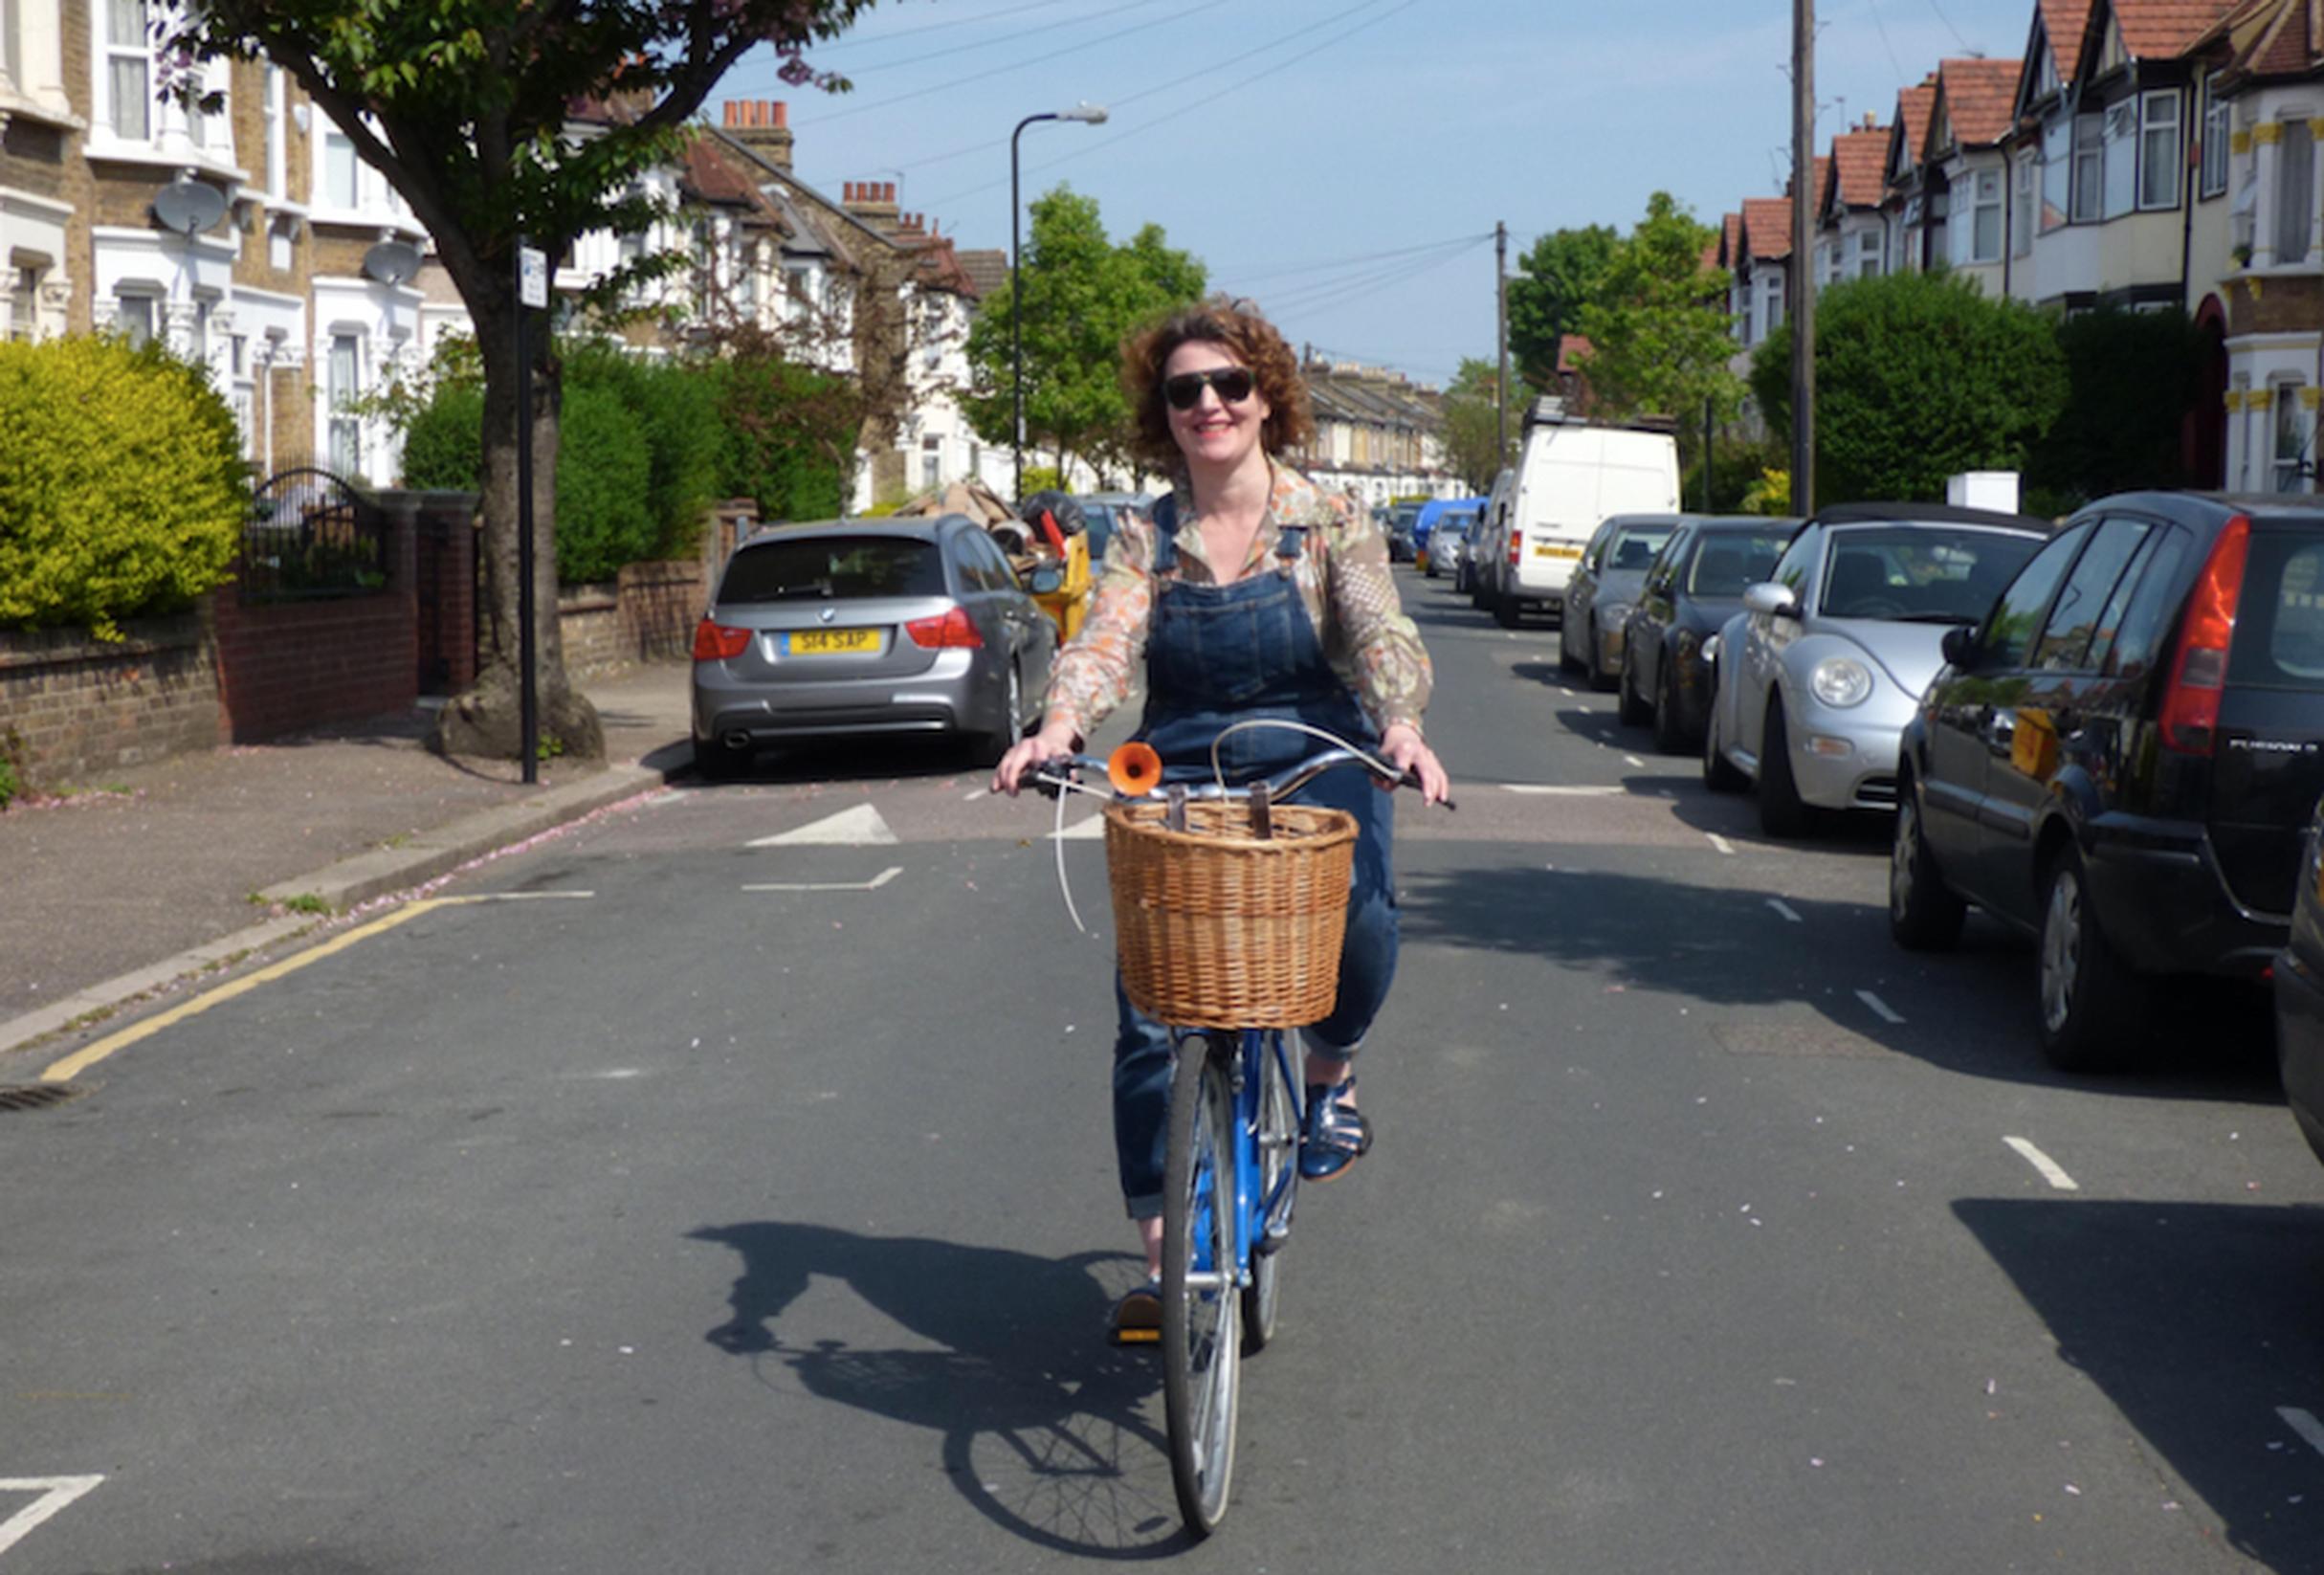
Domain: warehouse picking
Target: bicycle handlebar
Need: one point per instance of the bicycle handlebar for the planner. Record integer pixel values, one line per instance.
(1049, 781)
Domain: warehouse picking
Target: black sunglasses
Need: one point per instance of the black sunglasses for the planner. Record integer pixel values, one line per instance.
(1186, 390)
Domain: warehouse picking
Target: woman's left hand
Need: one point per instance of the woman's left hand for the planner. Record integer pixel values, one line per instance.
(1402, 747)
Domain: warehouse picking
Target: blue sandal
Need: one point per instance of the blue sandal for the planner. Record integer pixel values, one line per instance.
(1337, 1134)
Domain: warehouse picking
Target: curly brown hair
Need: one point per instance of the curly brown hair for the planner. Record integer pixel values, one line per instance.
(1237, 326)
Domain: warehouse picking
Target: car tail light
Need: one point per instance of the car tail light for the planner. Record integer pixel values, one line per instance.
(717, 643)
(2198, 671)
(1517, 544)
(952, 630)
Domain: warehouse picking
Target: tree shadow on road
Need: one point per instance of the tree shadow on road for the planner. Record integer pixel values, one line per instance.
(1044, 1425)
(2196, 1321)
(1969, 1011)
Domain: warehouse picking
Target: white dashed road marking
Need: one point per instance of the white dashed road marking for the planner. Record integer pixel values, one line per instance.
(1786, 909)
(2297, 1420)
(1721, 843)
(1880, 1009)
(56, 1493)
(872, 885)
(977, 794)
(1541, 789)
(2051, 1171)
(1633, 760)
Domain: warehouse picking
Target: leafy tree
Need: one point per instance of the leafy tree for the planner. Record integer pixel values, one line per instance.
(1658, 327)
(2132, 377)
(463, 106)
(1473, 439)
(1083, 296)
(789, 430)
(1919, 377)
(1557, 277)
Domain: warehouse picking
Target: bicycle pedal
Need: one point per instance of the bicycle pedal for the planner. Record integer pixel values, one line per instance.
(1137, 1337)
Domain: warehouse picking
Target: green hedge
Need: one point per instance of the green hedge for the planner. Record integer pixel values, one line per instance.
(605, 470)
(121, 484)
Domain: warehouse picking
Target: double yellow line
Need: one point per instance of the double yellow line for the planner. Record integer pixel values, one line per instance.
(88, 1055)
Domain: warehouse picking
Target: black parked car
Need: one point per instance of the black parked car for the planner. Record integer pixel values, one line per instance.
(1605, 584)
(2121, 758)
(2299, 994)
(1695, 586)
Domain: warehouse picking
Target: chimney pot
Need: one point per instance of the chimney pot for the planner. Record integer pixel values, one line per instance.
(887, 191)
(758, 112)
(730, 112)
(783, 113)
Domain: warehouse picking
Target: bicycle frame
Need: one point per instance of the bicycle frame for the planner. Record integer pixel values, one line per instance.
(1262, 1216)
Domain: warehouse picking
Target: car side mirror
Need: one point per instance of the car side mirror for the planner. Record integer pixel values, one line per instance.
(1959, 646)
(1046, 579)
(1777, 601)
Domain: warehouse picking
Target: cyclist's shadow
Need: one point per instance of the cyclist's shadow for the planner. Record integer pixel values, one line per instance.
(1044, 1424)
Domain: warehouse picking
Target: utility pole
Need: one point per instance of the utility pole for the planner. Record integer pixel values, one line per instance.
(1500, 310)
(1803, 257)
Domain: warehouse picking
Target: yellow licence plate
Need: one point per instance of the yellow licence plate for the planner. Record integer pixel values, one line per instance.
(832, 642)
(1556, 549)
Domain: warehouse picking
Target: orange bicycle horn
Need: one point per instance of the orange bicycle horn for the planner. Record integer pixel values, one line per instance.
(1134, 769)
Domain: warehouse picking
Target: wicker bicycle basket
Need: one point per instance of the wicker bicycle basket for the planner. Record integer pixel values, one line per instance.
(1217, 928)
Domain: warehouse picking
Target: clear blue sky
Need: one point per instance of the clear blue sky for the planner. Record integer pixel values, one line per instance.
(1286, 142)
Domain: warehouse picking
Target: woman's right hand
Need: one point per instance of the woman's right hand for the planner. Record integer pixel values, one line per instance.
(1053, 740)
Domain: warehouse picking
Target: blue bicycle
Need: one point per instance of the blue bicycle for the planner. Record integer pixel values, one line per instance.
(1232, 1171)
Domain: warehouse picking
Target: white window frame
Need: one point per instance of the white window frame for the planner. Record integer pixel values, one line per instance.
(2086, 204)
(2023, 208)
(332, 140)
(1871, 252)
(112, 54)
(142, 325)
(2293, 197)
(2159, 117)
(343, 431)
(1984, 207)
(2216, 136)
(2121, 138)
(274, 115)
(2299, 432)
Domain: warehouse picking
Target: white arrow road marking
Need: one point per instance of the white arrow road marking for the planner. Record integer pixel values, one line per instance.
(2051, 1171)
(1091, 829)
(2297, 1420)
(1721, 843)
(859, 828)
(1537, 788)
(1880, 1009)
(56, 1492)
(872, 885)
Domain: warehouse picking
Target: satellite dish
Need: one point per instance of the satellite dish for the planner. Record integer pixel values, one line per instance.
(392, 261)
(188, 206)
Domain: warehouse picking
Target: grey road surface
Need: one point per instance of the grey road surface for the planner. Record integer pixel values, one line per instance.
(729, 1187)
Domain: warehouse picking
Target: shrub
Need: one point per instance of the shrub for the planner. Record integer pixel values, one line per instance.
(2134, 377)
(604, 469)
(121, 484)
(675, 406)
(782, 423)
(444, 445)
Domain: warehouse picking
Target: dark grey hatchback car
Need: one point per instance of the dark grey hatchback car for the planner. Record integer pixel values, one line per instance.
(866, 626)
(2122, 757)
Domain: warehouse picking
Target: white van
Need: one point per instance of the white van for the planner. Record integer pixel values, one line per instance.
(1570, 476)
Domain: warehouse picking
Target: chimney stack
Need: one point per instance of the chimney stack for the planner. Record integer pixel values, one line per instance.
(874, 202)
(763, 126)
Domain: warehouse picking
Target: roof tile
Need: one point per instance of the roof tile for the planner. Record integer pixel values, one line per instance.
(2163, 29)
(1979, 97)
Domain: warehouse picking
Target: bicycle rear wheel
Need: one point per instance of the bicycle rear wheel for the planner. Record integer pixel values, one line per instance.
(1202, 1342)
(1279, 1153)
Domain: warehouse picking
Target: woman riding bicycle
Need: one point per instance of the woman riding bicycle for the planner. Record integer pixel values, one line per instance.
(1252, 593)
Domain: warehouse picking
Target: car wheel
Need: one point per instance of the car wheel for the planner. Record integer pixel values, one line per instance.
(1669, 732)
(2089, 1001)
(994, 746)
(1634, 711)
(1924, 915)
(714, 761)
(1782, 810)
(1507, 612)
(1601, 680)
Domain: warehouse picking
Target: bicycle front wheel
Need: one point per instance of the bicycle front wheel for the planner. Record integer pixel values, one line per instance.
(1201, 1339)
(1278, 1146)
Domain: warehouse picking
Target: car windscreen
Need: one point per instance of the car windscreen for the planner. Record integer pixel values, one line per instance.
(2279, 623)
(1921, 573)
(1633, 546)
(1098, 519)
(826, 567)
(1727, 565)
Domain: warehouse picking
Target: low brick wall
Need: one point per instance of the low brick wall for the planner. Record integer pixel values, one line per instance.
(646, 614)
(80, 707)
(588, 623)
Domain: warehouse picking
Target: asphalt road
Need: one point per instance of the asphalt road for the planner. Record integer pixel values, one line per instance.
(678, 1198)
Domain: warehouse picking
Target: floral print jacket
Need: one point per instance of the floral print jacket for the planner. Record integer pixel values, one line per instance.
(1343, 577)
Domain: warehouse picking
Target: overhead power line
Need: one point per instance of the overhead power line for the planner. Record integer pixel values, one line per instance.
(1045, 30)
(1243, 276)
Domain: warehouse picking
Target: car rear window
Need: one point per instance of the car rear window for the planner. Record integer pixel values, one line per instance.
(1634, 546)
(2279, 626)
(1726, 565)
(823, 567)
(1098, 520)
(1921, 573)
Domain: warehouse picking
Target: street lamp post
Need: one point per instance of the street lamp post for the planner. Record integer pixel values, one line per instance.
(1088, 115)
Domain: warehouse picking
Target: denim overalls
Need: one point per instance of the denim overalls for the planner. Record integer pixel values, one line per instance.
(1217, 654)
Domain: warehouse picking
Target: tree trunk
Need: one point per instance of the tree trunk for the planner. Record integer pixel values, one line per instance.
(487, 718)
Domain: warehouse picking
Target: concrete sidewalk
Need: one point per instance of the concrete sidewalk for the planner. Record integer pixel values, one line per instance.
(125, 886)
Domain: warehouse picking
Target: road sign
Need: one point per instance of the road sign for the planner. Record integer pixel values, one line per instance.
(531, 276)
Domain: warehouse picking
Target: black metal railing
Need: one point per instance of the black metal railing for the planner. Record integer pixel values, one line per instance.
(312, 537)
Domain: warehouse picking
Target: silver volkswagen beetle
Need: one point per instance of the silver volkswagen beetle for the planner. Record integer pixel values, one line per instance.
(1819, 672)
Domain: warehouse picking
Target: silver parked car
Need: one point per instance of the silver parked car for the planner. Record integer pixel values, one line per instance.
(1605, 588)
(866, 626)
(1821, 671)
